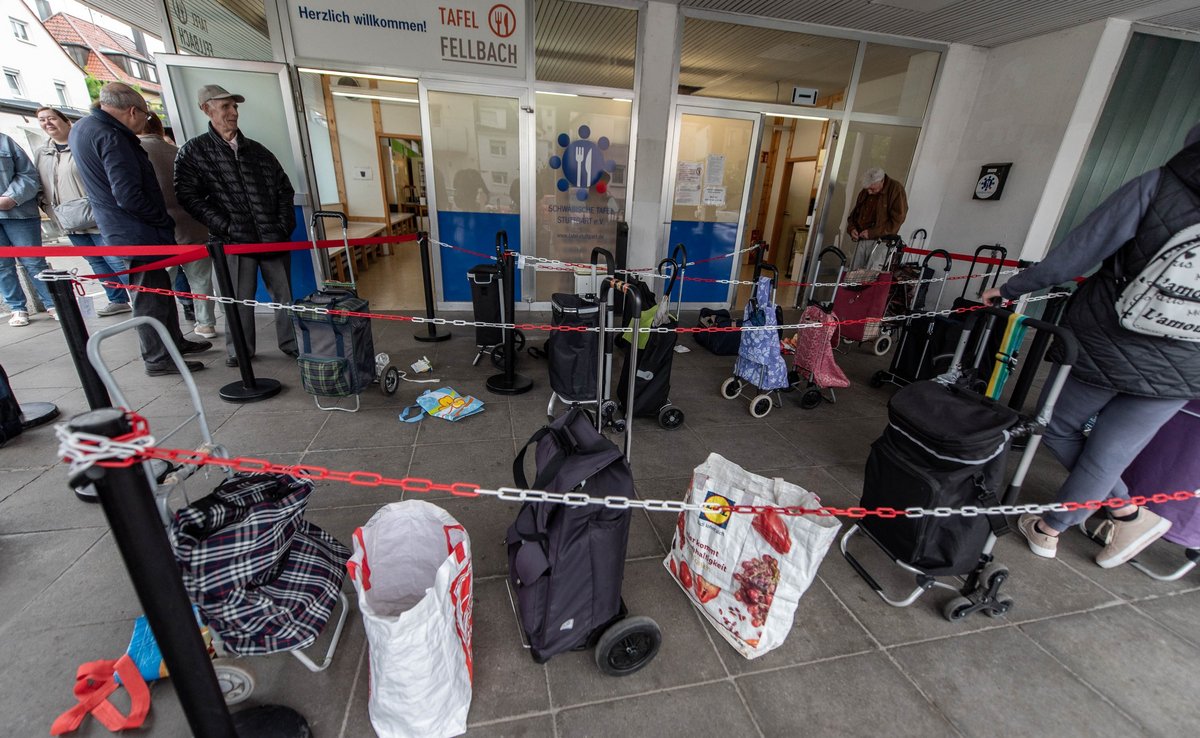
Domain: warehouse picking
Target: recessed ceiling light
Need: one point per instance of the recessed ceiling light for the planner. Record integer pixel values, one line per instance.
(919, 6)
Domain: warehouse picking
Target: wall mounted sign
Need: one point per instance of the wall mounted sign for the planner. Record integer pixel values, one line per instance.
(466, 36)
(804, 96)
(991, 181)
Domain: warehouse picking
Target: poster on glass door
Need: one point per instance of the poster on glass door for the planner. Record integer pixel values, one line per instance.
(466, 36)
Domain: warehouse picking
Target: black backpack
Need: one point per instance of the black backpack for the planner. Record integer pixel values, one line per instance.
(10, 411)
(566, 562)
(721, 344)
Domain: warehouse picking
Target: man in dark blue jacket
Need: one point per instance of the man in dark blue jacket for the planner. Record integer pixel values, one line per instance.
(129, 209)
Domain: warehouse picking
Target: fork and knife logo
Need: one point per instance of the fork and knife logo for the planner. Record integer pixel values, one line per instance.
(583, 166)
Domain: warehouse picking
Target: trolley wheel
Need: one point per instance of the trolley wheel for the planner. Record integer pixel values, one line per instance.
(670, 417)
(518, 339)
(882, 345)
(760, 406)
(389, 380)
(956, 609)
(628, 645)
(619, 425)
(811, 398)
(731, 388)
(1004, 605)
(878, 379)
(993, 573)
(498, 356)
(237, 684)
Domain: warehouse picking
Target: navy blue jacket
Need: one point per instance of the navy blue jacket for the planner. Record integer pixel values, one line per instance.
(120, 182)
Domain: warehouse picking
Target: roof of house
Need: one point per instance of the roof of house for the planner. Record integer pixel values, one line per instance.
(69, 30)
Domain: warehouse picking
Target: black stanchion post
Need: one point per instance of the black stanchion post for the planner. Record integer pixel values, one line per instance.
(432, 334)
(250, 389)
(129, 506)
(509, 382)
(76, 333)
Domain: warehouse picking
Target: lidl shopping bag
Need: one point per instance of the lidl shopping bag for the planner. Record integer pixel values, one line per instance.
(442, 403)
(411, 568)
(747, 572)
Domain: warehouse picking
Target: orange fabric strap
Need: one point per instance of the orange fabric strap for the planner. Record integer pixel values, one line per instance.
(94, 683)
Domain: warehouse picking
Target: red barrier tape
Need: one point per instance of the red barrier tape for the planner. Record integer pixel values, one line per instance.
(964, 257)
(178, 250)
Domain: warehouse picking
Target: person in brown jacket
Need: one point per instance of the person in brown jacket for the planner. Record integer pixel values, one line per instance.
(880, 210)
(188, 230)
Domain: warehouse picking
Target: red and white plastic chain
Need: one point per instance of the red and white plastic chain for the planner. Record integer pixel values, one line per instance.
(137, 446)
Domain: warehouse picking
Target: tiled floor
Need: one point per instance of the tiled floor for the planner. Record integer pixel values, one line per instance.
(1084, 652)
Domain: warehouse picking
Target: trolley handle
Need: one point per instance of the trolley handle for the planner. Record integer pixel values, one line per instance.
(835, 251)
(630, 294)
(501, 244)
(320, 214)
(919, 233)
(679, 255)
(937, 252)
(994, 251)
(674, 275)
(1064, 335)
(610, 262)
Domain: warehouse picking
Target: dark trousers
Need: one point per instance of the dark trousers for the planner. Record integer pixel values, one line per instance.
(159, 307)
(276, 274)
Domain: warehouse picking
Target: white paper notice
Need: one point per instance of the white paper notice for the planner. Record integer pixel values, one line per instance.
(714, 196)
(687, 183)
(714, 176)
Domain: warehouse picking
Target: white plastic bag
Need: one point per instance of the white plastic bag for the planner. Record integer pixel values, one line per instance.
(746, 572)
(412, 570)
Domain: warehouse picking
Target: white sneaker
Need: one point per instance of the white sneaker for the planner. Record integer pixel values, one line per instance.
(206, 331)
(19, 318)
(52, 312)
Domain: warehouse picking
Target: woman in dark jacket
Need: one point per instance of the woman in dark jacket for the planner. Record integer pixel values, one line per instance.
(1130, 383)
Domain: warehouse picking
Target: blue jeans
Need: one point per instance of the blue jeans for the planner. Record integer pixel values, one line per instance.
(103, 264)
(22, 232)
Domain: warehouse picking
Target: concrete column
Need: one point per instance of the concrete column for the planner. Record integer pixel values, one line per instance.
(658, 36)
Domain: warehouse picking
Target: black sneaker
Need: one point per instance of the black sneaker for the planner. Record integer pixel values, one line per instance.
(193, 347)
(231, 361)
(171, 368)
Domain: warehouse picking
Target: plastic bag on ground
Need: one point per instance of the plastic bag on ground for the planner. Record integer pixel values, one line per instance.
(411, 568)
(746, 572)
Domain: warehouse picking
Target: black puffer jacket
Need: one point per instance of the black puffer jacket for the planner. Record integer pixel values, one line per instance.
(243, 198)
(1115, 358)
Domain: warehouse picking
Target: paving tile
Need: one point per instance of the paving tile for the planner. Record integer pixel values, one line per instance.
(1141, 676)
(687, 655)
(830, 698)
(390, 462)
(283, 433)
(1180, 613)
(93, 588)
(694, 712)
(494, 423)
(45, 502)
(534, 727)
(822, 628)
(663, 453)
(1079, 552)
(998, 681)
(851, 441)
(364, 429)
(12, 481)
(41, 559)
(486, 463)
(759, 447)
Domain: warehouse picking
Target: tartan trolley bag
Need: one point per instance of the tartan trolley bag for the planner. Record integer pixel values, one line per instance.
(337, 352)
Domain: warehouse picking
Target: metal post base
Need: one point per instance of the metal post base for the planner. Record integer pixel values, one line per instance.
(34, 414)
(500, 384)
(432, 336)
(271, 721)
(262, 389)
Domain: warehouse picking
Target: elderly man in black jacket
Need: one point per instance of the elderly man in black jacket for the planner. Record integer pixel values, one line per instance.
(237, 188)
(129, 208)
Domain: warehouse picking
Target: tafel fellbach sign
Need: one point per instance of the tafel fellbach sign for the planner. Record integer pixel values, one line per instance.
(466, 36)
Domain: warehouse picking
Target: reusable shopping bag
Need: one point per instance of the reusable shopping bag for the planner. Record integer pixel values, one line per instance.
(411, 568)
(746, 573)
(442, 403)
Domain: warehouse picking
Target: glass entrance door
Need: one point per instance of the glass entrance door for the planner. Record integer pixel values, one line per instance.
(709, 190)
(474, 161)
